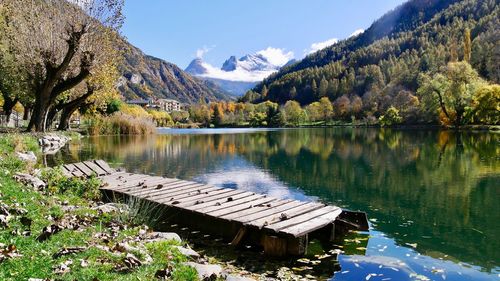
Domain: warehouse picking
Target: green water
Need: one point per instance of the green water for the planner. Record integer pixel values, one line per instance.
(432, 196)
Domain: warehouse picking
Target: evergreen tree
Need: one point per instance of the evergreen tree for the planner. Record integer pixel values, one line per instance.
(323, 87)
(314, 88)
(467, 45)
(264, 92)
(293, 93)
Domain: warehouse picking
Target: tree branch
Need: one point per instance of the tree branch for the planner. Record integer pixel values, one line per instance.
(76, 102)
(441, 103)
(75, 36)
(68, 84)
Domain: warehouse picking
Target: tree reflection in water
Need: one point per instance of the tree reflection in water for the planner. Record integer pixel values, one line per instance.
(436, 189)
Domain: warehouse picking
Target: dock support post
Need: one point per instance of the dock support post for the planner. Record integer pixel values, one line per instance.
(274, 246)
(239, 236)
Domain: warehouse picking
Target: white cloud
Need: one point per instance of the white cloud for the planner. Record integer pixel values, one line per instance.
(250, 178)
(276, 56)
(357, 32)
(202, 51)
(320, 45)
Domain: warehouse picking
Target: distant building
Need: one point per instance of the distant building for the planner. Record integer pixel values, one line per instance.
(141, 102)
(169, 105)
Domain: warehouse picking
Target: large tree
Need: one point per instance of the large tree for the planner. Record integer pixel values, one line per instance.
(59, 44)
(452, 90)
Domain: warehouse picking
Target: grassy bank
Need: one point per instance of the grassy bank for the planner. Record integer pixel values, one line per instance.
(60, 233)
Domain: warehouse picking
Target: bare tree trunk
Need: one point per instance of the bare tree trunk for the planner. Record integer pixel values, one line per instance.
(51, 116)
(53, 85)
(458, 118)
(65, 118)
(37, 121)
(8, 106)
(27, 112)
(69, 108)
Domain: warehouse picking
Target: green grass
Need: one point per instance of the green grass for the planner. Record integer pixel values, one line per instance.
(44, 207)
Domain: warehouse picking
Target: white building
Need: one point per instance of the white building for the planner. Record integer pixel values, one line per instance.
(169, 105)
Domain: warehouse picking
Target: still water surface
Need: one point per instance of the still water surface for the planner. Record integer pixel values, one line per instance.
(432, 196)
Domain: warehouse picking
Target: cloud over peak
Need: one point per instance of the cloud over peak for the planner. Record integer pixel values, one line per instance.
(357, 32)
(276, 56)
(202, 51)
(320, 45)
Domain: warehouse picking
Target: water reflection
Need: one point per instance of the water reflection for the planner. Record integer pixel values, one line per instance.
(435, 191)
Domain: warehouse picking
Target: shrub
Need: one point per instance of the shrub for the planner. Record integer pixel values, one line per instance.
(161, 118)
(486, 105)
(120, 124)
(58, 183)
(391, 117)
(114, 106)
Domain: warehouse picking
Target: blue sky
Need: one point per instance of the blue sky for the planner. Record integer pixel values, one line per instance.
(177, 30)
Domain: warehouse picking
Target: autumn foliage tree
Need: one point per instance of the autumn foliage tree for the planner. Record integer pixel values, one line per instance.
(59, 44)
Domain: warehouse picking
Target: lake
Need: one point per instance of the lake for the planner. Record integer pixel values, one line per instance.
(432, 196)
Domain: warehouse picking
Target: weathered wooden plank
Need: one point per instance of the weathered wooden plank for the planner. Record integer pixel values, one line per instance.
(231, 203)
(285, 214)
(224, 203)
(117, 178)
(211, 197)
(66, 171)
(274, 246)
(127, 181)
(272, 211)
(182, 197)
(96, 169)
(151, 187)
(300, 219)
(313, 224)
(254, 210)
(105, 166)
(146, 184)
(173, 197)
(188, 198)
(74, 170)
(243, 206)
(184, 189)
(85, 170)
(113, 176)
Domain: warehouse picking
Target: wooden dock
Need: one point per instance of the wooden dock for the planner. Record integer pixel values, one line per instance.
(281, 227)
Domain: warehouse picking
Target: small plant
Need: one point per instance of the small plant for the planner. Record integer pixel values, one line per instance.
(141, 211)
(58, 183)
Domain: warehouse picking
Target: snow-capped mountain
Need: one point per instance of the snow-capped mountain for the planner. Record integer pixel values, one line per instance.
(237, 76)
(196, 67)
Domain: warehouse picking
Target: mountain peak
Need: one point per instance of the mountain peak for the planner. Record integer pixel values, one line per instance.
(196, 67)
(230, 64)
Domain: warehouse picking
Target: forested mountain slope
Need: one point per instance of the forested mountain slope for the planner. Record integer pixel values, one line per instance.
(382, 66)
(149, 77)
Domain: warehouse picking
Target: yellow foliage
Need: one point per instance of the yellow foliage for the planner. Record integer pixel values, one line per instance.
(135, 111)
